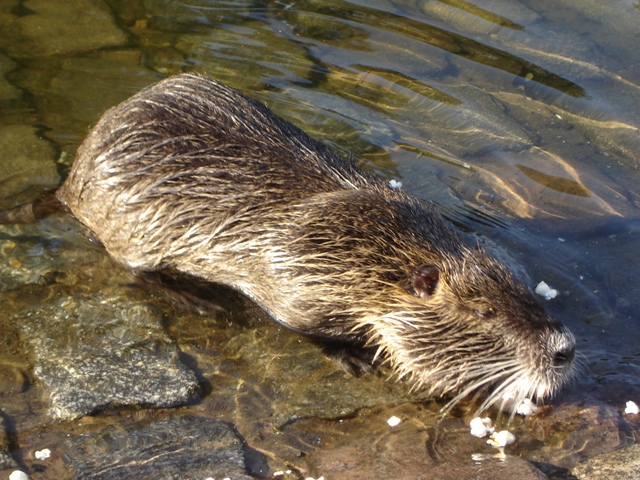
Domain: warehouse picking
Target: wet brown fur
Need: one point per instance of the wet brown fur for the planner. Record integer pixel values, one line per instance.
(192, 176)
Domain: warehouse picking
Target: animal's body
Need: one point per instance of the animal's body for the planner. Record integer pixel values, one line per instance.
(191, 176)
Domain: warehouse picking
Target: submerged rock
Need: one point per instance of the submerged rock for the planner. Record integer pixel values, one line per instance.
(7, 90)
(182, 447)
(6, 460)
(27, 165)
(71, 93)
(54, 27)
(13, 272)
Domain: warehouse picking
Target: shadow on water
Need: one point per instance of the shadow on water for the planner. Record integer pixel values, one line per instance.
(518, 119)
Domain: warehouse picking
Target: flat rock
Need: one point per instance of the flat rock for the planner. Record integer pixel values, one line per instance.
(621, 464)
(94, 353)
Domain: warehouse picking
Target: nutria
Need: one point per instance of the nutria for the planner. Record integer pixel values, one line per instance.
(194, 177)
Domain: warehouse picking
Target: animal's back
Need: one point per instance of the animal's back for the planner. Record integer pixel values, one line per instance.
(190, 148)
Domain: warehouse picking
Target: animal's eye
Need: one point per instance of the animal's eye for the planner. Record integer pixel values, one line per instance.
(485, 312)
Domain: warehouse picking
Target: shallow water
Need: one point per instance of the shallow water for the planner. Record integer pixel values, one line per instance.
(520, 119)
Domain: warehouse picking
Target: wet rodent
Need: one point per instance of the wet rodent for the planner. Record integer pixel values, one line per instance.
(192, 176)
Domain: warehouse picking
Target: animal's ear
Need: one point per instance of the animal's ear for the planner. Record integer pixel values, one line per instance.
(424, 281)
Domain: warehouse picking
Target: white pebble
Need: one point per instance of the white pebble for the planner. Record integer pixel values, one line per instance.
(394, 421)
(481, 427)
(632, 408)
(480, 457)
(18, 475)
(395, 183)
(546, 291)
(43, 454)
(501, 439)
(527, 408)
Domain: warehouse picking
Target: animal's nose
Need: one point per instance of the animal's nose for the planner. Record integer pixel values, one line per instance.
(563, 357)
(562, 348)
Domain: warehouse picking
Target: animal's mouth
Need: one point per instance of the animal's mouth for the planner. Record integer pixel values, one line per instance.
(512, 390)
(535, 385)
(508, 383)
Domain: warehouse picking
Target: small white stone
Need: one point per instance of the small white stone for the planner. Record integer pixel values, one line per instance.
(632, 408)
(480, 457)
(395, 183)
(18, 475)
(394, 421)
(481, 427)
(527, 408)
(501, 439)
(43, 454)
(546, 291)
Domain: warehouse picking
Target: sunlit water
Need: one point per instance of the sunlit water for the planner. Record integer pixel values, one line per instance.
(519, 119)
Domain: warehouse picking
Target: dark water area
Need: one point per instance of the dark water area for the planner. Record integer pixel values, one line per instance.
(519, 119)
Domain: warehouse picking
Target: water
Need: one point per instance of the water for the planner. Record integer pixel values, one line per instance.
(519, 119)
